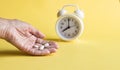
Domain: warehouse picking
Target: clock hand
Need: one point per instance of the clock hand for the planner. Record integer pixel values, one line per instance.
(68, 28)
(65, 29)
(68, 23)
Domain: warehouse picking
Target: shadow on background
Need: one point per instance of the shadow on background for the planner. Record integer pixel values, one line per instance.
(56, 40)
(76, 41)
(9, 53)
(16, 53)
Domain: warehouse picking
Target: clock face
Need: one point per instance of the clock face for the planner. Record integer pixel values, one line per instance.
(69, 27)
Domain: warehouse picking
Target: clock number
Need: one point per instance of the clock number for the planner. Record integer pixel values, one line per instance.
(75, 31)
(73, 34)
(61, 27)
(77, 27)
(68, 34)
(62, 23)
(64, 20)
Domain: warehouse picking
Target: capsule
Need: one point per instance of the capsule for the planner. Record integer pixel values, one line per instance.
(46, 45)
(41, 47)
(35, 46)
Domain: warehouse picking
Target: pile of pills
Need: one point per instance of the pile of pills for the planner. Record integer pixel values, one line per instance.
(42, 46)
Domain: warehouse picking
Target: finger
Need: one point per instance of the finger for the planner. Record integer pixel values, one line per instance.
(39, 40)
(36, 33)
(35, 51)
(53, 44)
(38, 47)
(42, 52)
(52, 50)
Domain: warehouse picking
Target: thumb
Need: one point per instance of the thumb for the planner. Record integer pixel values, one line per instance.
(36, 33)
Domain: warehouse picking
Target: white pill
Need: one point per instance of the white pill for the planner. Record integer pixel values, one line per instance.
(35, 46)
(46, 45)
(41, 47)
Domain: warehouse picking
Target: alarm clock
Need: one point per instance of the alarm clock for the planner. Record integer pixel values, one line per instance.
(69, 26)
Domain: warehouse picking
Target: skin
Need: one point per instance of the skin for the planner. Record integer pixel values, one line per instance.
(24, 37)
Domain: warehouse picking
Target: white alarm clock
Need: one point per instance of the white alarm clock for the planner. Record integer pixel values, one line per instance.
(69, 26)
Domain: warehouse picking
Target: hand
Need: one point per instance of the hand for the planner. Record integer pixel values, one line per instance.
(24, 37)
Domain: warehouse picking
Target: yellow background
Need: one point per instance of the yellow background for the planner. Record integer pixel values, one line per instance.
(97, 49)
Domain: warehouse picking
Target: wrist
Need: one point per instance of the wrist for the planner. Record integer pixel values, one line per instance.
(3, 27)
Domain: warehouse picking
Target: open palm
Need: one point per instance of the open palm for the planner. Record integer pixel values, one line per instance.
(24, 37)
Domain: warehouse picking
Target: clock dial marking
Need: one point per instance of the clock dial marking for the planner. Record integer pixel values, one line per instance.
(69, 27)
